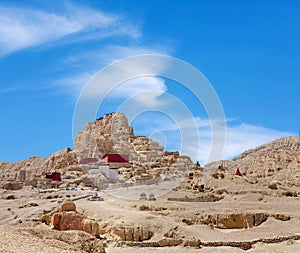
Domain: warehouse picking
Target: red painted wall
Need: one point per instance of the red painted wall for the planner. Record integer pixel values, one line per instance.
(116, 158)
(54, 176)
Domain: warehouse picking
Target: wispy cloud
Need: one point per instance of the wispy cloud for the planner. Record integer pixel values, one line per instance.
(98, 58)
(22, 27)
(149, 89)
(114, 53)
(144, 90)
(91, 62)
(72, 85)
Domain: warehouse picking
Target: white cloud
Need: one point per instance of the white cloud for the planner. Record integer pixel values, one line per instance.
(22, 27)
(114, 53)
(144, 90)
(91, 62)
(148, 88)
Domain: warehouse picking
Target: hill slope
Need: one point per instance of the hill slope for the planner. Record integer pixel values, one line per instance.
(278, 161)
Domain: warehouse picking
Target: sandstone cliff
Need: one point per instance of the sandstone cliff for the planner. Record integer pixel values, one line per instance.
(112, 134)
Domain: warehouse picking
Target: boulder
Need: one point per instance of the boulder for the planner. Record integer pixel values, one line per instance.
(273, 186)
(10, 197)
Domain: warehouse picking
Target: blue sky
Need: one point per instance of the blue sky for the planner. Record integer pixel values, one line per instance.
(248, 50)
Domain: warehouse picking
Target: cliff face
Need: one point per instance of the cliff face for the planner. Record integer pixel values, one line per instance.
(112, 134)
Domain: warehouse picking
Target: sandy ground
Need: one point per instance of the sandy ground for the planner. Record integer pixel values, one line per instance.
(286, 247)
(14, 240)
(163, 216)
(133, 193)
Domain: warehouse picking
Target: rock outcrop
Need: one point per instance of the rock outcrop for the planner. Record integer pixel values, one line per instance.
(67, 218)
(109, 134)
(112, 134)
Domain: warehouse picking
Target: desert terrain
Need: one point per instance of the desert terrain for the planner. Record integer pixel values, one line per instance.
(220, 226)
